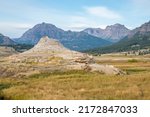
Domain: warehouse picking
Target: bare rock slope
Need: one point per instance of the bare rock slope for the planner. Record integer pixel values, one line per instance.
(49, 53)
(112, 33)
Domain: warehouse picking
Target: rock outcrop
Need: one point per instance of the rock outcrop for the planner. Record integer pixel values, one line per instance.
(52, 53)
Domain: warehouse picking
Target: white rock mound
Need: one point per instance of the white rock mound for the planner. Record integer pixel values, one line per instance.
(69, 60)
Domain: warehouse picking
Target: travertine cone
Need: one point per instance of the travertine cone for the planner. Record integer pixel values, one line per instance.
(48, 47)
(51, 51)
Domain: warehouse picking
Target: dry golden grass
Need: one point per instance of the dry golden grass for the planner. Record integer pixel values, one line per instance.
(82, 85)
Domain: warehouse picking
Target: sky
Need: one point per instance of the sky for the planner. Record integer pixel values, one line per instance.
(17, 16)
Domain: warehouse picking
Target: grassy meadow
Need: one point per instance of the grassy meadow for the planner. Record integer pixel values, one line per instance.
(84, 85)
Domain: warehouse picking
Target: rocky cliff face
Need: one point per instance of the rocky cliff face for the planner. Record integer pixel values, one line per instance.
(72, 40)
(112, 33)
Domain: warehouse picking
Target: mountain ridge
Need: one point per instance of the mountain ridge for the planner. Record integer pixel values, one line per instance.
(138, 38)
(72, 40)
(4, 40)
(112, 33)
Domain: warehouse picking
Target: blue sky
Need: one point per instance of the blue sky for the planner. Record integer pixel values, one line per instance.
(17, 16)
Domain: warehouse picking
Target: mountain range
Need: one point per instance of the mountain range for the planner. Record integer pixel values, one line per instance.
(72, 40)
(137, 39)
(88, 39)
(111, 33)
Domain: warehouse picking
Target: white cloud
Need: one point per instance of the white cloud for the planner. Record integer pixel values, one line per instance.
(79, 23)
(103, 12)
(22, 26)
(96, 17)
(76, 23)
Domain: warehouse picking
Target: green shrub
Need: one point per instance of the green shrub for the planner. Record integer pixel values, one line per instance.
(133, 60)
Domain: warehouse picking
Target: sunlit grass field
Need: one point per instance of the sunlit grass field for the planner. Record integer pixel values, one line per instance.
(83, 85)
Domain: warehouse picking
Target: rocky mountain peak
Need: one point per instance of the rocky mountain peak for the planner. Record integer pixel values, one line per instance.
(33, 35)
(45, 25)
(112, 33)
(116, 26)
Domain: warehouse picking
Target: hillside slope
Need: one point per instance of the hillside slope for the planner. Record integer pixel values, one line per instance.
(138, 38)
(6, 40)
